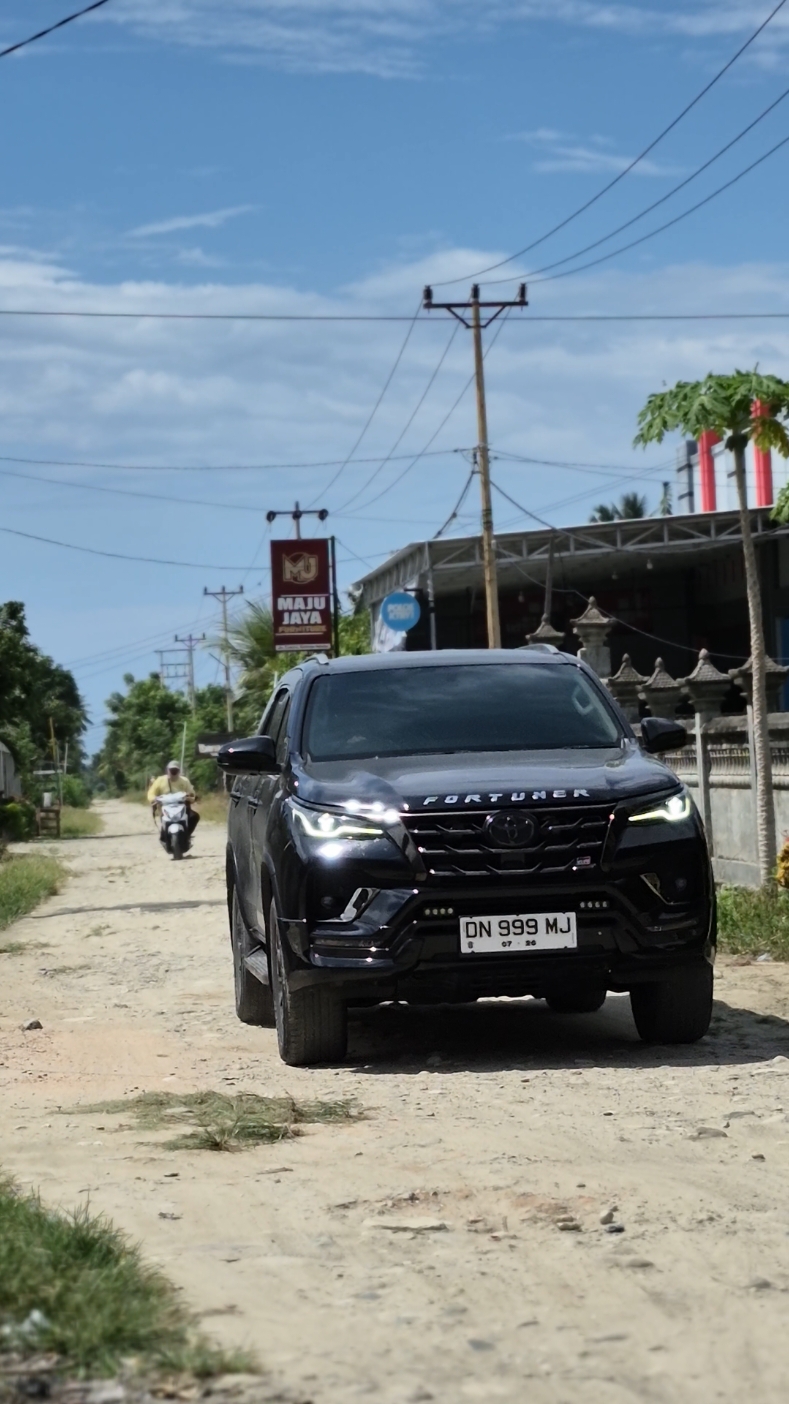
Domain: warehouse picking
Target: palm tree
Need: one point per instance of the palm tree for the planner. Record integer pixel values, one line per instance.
(630, 506)
(738, 408)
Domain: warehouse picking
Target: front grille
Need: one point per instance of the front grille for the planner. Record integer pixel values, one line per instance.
(458, 845)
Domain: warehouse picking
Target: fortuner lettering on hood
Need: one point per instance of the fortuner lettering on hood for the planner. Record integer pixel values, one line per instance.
(519, 797)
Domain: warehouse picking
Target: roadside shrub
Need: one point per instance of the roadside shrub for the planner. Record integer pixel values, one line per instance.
(754, 922)
(75, 792)
(17, 821)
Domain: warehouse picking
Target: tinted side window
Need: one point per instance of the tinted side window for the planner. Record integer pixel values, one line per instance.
(282, 738)
(273, 719)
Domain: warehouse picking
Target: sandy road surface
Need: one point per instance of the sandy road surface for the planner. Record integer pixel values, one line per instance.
(494, 1121)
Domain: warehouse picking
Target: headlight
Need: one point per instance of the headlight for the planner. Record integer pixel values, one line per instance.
(671, 811)
(337, 826)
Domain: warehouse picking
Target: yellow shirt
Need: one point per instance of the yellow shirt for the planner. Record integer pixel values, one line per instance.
(164, 785)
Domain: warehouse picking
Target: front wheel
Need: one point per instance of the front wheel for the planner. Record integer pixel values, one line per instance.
(312, 1024)
(178, 845)
(254, 1004)
(676, 1010)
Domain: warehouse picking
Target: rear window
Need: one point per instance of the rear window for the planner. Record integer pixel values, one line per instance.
(422, 711)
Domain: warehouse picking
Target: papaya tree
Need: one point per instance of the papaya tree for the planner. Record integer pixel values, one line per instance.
(742, 407)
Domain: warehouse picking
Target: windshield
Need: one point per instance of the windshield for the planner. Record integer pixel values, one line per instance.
(422, 711)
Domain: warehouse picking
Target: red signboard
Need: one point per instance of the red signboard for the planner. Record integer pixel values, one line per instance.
(301, 596)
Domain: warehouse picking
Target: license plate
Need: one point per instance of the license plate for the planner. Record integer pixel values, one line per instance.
(547, 931)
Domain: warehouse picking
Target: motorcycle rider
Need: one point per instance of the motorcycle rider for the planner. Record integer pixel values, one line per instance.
(175, 782)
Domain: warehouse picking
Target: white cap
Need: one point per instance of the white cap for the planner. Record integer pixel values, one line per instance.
(173, 765)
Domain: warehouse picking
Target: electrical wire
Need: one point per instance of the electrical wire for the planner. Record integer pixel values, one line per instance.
(444, 421)
(457, 506)
(129, 492)
(634, 243)
(629, 167)
(42, 33)
(374, 410)
(409, 422)
(428, 317)
(505, 457)
(121, 556)
(559, 263)
(195, 468)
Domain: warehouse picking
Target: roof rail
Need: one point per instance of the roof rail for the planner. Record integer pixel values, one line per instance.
(318, 658)
(541, 647)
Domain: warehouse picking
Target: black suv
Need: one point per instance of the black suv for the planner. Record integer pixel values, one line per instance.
(436, 827)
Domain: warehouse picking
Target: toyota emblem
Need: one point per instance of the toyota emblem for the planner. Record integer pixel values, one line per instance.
(510, 829)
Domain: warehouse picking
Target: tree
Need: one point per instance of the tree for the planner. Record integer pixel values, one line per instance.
(630, 506)
(149, 725)
(738, 408)
(36, 695)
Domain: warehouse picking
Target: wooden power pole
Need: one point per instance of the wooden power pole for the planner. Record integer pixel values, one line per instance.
(464, 310)
(224, 596)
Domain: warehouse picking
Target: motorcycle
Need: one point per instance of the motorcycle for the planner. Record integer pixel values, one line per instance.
(174, 824)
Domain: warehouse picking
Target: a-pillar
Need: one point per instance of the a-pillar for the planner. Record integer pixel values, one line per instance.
(763, 464)
(707, 441)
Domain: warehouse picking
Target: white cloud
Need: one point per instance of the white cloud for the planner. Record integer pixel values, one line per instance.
(387, 37)
(560, 151)
(213, 219)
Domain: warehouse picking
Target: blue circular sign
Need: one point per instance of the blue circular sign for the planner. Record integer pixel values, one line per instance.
(400, 611)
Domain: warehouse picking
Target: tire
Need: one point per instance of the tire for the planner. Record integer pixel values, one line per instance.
(177, 846)
(312, 1024)
(254, 1004)
(677, 1010)
(578, 1001)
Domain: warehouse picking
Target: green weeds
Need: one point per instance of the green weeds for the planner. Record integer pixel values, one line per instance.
(754, 922)
(73, 1285)
(26, 881)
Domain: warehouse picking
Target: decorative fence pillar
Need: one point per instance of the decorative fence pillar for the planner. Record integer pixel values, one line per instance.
(546, 634)
(625, 687)
(776, 677)
(706, 688)
(593, 628)
(661, 692)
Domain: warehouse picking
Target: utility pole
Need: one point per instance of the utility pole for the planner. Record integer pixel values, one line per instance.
(297, 514)
(172, 669)
(687, 456)
(462, 310)
(224, 596)
(190, 644)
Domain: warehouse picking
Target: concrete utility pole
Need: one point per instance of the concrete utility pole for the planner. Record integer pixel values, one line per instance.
(461, 310)
(172, 669)
(190, 644)
(224, 596)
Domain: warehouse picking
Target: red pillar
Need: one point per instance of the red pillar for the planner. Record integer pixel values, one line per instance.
(707, 440)
(763, 464)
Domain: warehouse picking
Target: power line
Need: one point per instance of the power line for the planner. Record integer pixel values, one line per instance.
(558, 263)
(121, 556)
(458, 504)
(42, 33)
(505, 457)
(416, 459)
(630, 166)
(198, 467)
(375, 408)
(634, 243)
(128, 492)
(360, 491)
(289, 317)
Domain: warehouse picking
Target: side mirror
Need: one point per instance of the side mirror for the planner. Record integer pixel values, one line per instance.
(658, 734)
(255, 755)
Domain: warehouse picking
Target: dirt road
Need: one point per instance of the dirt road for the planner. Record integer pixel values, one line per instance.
(427, 1252)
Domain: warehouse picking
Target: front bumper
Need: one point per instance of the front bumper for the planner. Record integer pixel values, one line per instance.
(415, 952)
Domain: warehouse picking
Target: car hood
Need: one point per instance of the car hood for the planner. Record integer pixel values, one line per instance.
(486, 780)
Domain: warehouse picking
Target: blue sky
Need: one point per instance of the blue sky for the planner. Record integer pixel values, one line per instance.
(312, 156)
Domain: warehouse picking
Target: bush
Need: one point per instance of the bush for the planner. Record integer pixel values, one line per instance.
(24, 882)
(17, 821)
(75, 792)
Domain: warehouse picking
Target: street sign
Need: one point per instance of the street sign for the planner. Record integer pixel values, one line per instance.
(301, 595)
(400, 611)
(208, 743)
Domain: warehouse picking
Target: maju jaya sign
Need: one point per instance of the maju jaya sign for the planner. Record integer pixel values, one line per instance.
(301, 595)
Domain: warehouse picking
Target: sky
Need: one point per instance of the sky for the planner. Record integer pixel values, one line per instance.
(330, 157)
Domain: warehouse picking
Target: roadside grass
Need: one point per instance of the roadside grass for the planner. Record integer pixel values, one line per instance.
(79, 823)
(211, 806)
(26, 881)
(72, 1284)
(218, 1121)
(754, 922)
